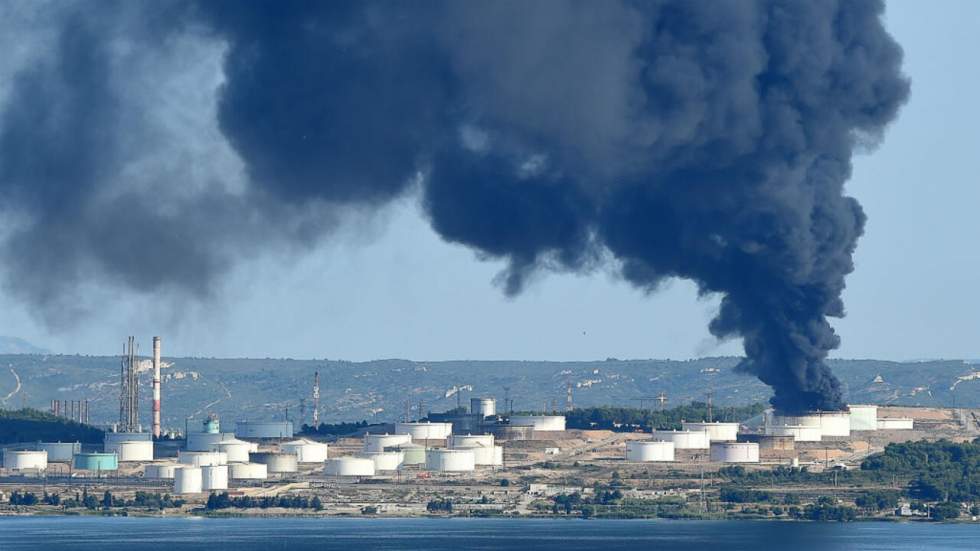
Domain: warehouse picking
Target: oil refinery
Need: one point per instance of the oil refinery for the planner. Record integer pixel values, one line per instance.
(399, 467)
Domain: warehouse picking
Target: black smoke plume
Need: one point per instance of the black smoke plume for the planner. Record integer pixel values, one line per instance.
(702, 140)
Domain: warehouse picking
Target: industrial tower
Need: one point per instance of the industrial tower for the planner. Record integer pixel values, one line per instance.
(129, 417)
(316, 399)
(156, 387)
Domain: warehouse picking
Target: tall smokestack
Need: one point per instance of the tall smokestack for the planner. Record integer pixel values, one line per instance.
(156, 387)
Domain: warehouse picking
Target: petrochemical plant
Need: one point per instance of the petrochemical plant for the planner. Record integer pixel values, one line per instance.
(471, 448)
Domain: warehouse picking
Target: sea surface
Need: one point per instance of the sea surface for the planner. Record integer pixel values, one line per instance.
(248, 534)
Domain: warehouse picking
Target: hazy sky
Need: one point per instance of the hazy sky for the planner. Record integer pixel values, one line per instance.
(389, 287)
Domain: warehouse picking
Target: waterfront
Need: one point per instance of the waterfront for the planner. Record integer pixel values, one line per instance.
(179, 534)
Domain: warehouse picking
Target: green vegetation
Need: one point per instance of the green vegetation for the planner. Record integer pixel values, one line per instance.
(939, 471)
(31, 425)
(440, 506)
(335, 429)
(224, 501)
(631, 419)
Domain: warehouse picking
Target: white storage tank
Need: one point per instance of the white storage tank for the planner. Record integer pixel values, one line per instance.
(734, 452)
(188, 480)
(276, 462)
(412, 454)
(113, 437)
(448, 460)
(214, 477)
(248, 471)
(483, 406)
(59, 452)
(385, 461)
(470, 441)
(895, 423)
(864, 417)
(306, 451)
(717, 430)
(800, 433)
(350, 466)
(684, 439)
(540, 422)
(132, 450)
(835, 423)
(378, 442)
(643, 451)
(235, 450)
(201, 459)
(264, 429)
(485, 456)
(425, 430)
(165, 471)
(19, 460)
(206, 441)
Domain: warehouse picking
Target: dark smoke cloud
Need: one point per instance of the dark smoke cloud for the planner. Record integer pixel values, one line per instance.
(702, 140)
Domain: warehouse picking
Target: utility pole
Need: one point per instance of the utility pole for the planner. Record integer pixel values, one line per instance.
(662, 399)
(711, 394)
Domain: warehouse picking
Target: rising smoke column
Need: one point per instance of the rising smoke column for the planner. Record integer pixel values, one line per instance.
(701, 140)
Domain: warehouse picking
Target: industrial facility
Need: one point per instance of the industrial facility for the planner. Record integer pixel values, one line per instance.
(472, 447)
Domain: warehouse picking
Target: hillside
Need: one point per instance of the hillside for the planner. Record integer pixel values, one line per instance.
(379, 390)
(29, 425)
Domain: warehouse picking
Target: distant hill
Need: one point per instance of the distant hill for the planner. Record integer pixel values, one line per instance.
(380, 390)
(30, 425)
(16, 345)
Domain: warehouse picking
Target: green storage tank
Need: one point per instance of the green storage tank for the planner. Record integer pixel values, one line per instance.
(96, 462)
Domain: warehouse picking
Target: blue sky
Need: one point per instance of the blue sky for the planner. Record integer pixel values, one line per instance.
(389, 287)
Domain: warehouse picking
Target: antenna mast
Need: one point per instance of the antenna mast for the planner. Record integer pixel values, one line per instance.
(316, 399)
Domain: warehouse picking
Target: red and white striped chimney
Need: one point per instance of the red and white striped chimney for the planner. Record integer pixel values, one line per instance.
(156, 387)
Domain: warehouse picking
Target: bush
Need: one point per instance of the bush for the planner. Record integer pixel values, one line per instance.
(944, 511)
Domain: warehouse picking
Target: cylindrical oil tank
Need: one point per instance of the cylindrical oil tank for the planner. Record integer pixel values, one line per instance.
(160, 470)
(863, 417)
(95, 461)
(276, 462)
(734, 452)
(207, 441)
(59, 452)
(350, 466)
(235, 450)
(264, 429)
(485, 456)
(800, 433)
(25, 459)
(447, 460)
(412, 454)
(201, 459)
(306, 451)
(540, 422)
(214, 477)
(248, 471)
(385, 461)
(643, 451)
(113, 437)
(483, 406)
(684, 439)
(378, 442)
(132, 450)
(835, 423)
(470, 441)
(895, 423)
(717, 431)
(425, 430)
(505, 432)
(188, 480)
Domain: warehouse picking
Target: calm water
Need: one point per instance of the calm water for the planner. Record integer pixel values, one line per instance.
(74, 533)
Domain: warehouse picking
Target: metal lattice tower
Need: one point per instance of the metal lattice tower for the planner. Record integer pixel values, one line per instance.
(129, 417)
(316, 399)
